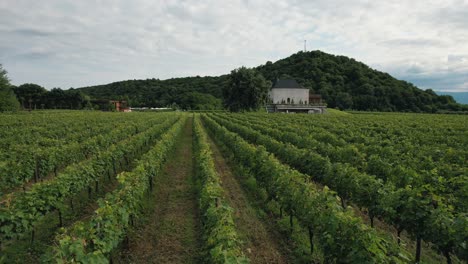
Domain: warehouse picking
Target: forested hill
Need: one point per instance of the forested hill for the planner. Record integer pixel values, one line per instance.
(188, 92)
(348, 84)
(342, 81)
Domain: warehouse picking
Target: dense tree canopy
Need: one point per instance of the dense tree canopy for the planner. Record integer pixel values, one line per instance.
(161, 93)
(33, 96)
(8, 101)
(348, 84)
(30, 95)
(246, 89)
(199, 101)
(343, 82)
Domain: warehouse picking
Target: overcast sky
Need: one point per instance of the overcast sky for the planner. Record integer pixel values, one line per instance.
(64, 43)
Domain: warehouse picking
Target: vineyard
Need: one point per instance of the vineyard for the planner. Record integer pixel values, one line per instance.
(96, 187)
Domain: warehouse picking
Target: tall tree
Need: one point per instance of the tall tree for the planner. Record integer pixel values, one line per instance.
(8, 101)
(31, 95)
(247, 89)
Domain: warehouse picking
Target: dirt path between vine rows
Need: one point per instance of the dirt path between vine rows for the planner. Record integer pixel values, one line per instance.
(173, 232)
(261, 245)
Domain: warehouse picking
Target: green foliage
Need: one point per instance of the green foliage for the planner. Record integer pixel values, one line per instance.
(404, 187)
(22, 213)
(66, 99)
(46, 147)
(187, 93)
(93, 240)
(342, 235)
(246, 90)
(199, 101)
(220, 235)
(344, 101)
(8, 101)
(30, 95)
(33, 96)
(343, 82)
(348, 84)
(4, 81)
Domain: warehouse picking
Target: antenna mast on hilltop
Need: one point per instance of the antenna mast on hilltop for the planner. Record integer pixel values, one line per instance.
(305, 45)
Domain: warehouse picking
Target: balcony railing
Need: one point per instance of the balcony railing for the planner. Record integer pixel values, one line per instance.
(299, 106)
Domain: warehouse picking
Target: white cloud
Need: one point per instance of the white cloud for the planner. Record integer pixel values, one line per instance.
(76, 43)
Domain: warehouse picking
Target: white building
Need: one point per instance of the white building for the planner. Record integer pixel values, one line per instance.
(290, 97)
(288, 92)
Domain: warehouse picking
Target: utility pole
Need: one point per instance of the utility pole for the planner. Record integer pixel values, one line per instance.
(305, 45)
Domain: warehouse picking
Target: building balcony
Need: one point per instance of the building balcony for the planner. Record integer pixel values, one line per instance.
(299, 106)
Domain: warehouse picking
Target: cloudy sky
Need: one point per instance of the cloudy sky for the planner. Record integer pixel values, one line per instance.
(65, 43)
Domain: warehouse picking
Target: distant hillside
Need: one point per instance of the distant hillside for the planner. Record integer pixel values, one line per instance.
(348, 84)
(460, 97)
(343, 82)
(157, 93)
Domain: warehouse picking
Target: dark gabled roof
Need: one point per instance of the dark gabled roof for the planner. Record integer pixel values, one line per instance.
(287, 83)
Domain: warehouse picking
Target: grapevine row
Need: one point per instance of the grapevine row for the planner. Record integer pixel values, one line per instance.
(366, 162)
(93, 240)
(342, 235)
(220, 235)
(410, 209)
(37, 131)
(22, 213)
(38, 163)
(435, 152)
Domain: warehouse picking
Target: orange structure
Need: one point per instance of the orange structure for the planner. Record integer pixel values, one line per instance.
(120, 106)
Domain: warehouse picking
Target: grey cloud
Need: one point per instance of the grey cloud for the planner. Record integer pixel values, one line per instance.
(415, 69)
(441, 81)
(89, 42)
(31, 32)
(417, 42)
(457, 58)
(453, 15)
(34, 55)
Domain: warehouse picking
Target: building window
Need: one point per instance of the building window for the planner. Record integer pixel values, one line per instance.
(289, 100)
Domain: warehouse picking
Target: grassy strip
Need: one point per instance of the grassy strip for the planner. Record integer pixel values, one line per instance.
(220, 234)
(92, 241)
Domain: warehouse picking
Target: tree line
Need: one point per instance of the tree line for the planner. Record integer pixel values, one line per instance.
(190, 93)
(8, 101)
(31, 96)
(343, 82)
